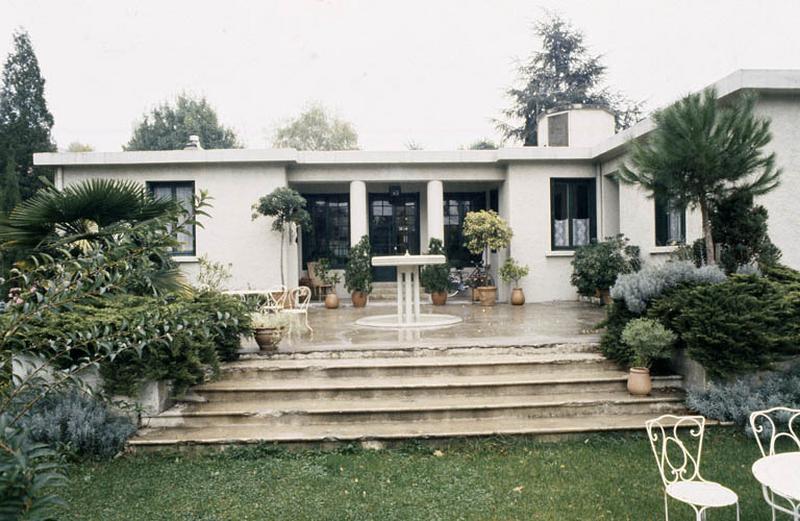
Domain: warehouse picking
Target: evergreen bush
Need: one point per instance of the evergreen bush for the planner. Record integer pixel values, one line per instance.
(648, 340)
(358, 274)
(80, 423)
(611, 344)
(435, 278)
(596, 266)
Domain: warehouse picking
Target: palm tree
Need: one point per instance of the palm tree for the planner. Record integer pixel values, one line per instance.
(701, 152)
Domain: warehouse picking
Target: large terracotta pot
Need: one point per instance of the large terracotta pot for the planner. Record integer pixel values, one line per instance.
(476, 294)
(268, 338)
(639, 382)
(331, 301)
(517, 297)
(439, 298)
(359, 299)
(488, 295)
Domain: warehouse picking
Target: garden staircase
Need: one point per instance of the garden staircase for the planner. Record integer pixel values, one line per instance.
(411, 393)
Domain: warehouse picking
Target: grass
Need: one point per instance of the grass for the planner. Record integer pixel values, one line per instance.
(603, 477)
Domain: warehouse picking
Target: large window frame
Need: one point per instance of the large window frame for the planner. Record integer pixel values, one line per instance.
(572, 188)
(667, 217)
(461, 203)
(324, 221)
(173, 187)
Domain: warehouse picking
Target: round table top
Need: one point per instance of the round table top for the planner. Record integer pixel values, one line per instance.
(408, 260)
(781, 473)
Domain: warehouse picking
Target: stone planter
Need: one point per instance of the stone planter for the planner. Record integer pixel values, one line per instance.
(331, 301)
(517, 297)
(359, 299)
(488, 295)
(439, 298)
(639, 382)
(268, 338)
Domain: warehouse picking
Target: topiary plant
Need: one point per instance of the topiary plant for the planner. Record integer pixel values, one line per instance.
(648, 339)
(485, 230)
(511, 271)
(358, 274)
(435, 277)
(288, 209)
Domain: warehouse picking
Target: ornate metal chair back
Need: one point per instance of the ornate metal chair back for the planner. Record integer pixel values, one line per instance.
(677, 443)
(275, 298)
(301, 297)
(778, 424)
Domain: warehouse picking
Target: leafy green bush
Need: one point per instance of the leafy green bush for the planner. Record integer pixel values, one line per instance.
(512, 271)
(640, 288)
(358, 274)
(648, 340)
(81, 423)
(435, 277)
(740, 325)
(611, 345)
(596, 266)
(734, 401)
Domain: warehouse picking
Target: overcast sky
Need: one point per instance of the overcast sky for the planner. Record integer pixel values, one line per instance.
(431, 71)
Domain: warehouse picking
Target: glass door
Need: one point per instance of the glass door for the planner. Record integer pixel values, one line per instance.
(393, 228)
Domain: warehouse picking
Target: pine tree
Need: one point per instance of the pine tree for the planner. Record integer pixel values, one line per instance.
(9, 188)
(25, 121)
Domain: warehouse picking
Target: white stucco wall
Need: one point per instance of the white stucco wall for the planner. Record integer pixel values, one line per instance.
(229, 235)
(586, 127)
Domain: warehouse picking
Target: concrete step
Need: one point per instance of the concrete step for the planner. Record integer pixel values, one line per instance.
(235, 434)
(366, 412)
(483, 365)
(314, 388)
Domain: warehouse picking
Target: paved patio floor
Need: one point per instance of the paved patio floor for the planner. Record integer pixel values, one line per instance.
(501, 325)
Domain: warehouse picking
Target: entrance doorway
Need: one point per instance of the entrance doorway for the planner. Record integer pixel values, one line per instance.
(393, 229)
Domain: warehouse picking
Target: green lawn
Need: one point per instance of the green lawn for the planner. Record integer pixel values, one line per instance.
(609, 477)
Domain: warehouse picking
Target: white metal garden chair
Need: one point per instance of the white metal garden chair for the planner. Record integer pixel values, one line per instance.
(778, 424)
(679, 464)
(300, 299)
(275, 299)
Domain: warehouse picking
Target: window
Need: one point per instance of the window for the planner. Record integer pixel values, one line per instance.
(558, 130)
(573, 213)
(456, 206)
(329, 235)
(670, 224)
(183, 193)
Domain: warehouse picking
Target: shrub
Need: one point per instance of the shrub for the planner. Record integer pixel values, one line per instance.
(435, 277)
(611, 344)
(484, 230)
(228, 320)
(648, 340)
(596, 266)
(212, 275)
(511, 271)
(79, 422)
(638, 289)
(326, 274)
(734, 401)
(358, 274)
(740, 325)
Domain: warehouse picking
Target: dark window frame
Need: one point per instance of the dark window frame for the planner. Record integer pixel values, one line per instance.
(173, 185)
(310, 255)
(571, 183)
(661, 221)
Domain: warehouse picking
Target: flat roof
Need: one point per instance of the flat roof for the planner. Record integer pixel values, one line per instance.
(762, 80)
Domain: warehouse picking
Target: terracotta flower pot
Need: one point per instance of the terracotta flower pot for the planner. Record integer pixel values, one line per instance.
(639, 382)
(439, 298)
(476, 294)
(488, 295)
(268, 338)
(359, 299)
(331, 301)
(517, 297)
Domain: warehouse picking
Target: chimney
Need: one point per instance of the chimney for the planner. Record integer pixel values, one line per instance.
(194, 143)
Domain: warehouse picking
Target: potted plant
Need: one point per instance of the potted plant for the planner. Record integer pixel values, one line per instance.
(485, 231)
(268, 329)
(358, 274)
(596, 266)
(649, 340)
(328, 276)
(436, 277)
(511, 271)
(288, 210)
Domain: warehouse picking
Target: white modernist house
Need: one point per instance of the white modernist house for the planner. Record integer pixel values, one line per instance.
(556, 196)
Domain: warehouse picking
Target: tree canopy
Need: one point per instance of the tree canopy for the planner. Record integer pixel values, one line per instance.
(168, 127)
(25, 121)
(563, 72)
(315, 129)
(701, 152)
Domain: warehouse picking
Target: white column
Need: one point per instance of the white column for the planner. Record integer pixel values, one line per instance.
(435, 211)
(415, 274)
(407, 290)
(399, 295)
(358, 211)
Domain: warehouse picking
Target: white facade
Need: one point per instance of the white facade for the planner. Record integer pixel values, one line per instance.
(521, 183)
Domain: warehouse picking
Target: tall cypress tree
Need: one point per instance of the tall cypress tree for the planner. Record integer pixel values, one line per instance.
(25, 121)
(9, 188)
